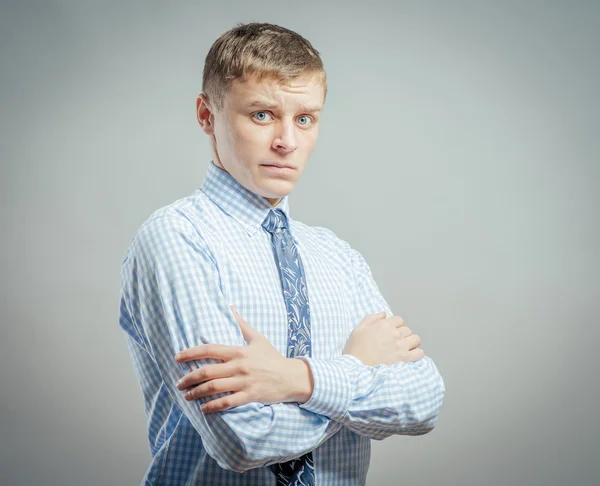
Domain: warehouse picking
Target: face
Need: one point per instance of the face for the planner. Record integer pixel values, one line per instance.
(265, 132)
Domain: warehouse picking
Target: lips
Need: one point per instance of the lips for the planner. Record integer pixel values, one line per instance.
(280, 166)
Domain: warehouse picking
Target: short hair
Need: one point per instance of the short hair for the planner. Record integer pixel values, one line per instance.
(262, 50)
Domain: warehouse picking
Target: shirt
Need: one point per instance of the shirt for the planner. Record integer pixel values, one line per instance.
(191, 260)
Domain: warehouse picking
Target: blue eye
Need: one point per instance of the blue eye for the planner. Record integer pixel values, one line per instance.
(261, 115)
(304, 120)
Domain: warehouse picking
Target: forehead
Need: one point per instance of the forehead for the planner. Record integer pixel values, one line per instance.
(253, 91)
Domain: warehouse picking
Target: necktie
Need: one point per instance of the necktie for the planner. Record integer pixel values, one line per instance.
(301, 471)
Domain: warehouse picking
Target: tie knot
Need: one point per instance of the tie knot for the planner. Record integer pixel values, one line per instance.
(274, 221)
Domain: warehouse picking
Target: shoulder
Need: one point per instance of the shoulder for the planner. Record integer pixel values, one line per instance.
(328, 239)
(322, 236)
(179, 223)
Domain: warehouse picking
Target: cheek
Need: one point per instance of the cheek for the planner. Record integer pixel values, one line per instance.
(309, 139)
(250, 135)
(225, 137)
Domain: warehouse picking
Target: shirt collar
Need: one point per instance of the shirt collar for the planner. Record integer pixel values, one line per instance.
(247, 208)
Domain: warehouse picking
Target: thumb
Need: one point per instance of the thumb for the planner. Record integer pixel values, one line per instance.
(377, 317)
(371, 318)
(248, 331)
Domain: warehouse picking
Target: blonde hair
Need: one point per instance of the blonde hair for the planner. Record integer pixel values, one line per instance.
(261, 50)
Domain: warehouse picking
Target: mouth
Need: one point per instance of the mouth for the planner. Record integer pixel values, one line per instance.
(279, 166)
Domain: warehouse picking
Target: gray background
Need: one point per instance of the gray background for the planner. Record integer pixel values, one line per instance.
(458, 152)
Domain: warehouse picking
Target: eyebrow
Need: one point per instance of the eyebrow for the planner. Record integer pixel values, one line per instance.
(272, 106)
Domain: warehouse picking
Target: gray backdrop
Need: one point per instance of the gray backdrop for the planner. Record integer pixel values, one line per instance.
(458, 152)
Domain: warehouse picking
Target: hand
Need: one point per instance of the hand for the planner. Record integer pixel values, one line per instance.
(380, 340)
(254, 373)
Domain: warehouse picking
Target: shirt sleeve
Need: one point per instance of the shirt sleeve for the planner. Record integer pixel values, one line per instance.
(404, 398)
(171, 286)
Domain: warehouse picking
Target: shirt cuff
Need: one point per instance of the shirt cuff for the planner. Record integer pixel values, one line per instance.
(332, 390)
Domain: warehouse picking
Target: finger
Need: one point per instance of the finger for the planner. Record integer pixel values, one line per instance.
(225, 403)
(219, 351)
(248, 331)
(404, 332)
(213, 387)
(397, 320)
(206, 373)
(413, 341)
(415, 355)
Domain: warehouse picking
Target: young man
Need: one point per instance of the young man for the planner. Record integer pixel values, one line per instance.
(293, 391)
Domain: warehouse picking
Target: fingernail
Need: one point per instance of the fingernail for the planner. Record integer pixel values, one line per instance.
(179, 383)
(187, 395)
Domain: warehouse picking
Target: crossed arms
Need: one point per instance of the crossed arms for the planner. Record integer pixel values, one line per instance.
(173, 301)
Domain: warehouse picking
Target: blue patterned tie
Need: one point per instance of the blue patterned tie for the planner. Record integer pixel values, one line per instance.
(301, 471)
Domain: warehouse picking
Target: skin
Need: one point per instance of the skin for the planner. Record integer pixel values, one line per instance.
(261, 124)
(259, 373)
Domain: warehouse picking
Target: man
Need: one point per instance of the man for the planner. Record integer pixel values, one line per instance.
(293, 391)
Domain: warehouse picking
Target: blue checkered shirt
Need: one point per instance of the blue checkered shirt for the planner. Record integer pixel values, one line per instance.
(186, 265)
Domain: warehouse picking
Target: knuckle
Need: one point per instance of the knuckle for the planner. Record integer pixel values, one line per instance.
(199, 375)
(398, 321)
(211, 386)
(244, 369)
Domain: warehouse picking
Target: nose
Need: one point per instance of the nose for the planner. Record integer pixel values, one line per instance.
(285, 138)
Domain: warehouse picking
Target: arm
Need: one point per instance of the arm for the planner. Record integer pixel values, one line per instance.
(171, 287)
(404, 398)
(400, 398)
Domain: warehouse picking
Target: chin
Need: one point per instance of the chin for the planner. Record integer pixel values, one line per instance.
(276, 189)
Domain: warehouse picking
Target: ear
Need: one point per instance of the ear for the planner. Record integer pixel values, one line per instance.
(205, 115)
